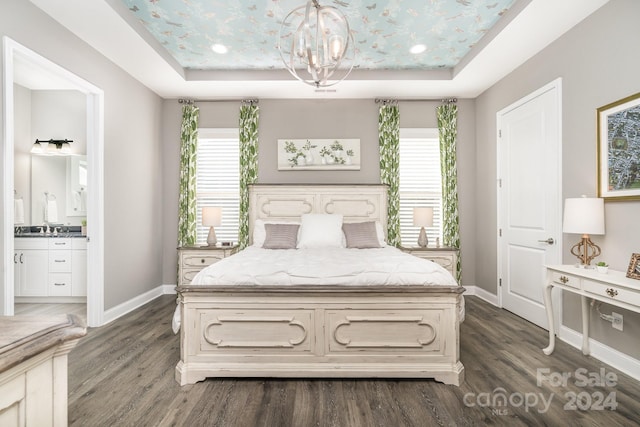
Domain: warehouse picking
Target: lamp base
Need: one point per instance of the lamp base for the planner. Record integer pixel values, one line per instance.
(423, 240)
(585, 250)
(212, 240)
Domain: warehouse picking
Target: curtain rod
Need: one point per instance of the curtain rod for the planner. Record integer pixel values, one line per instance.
(193, 101)
(445, 100)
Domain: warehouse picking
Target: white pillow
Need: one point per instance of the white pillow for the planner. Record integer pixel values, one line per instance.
(380, 231)
(321, 231)
(259, 232)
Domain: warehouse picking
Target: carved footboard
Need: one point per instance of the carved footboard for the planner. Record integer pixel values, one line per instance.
(405, 332)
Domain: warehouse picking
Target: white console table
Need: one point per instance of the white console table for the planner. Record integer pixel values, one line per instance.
(612, 288)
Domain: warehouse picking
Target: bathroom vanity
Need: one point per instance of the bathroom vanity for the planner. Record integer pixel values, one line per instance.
(51, 266)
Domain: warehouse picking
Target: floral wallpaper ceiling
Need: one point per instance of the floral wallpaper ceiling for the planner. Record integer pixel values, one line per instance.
(384, 31)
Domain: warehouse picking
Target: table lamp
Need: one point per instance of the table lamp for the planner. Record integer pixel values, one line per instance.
(211, 217)
(423, 217)
(584, 215)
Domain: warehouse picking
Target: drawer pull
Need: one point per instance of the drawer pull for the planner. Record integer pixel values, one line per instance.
(612, 292)
(59, 243)
(60, 260)
(59, 284)
(564, 279)
(202, 261)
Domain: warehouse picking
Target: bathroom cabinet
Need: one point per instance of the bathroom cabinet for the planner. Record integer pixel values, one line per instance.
(50, 267)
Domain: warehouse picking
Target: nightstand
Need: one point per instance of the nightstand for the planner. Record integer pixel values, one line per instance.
(192, 259)
(445, 256)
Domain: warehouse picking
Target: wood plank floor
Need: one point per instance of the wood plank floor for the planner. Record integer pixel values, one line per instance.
(122, 374)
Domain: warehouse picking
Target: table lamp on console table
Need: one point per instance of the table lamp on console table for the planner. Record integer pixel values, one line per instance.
(584, 215)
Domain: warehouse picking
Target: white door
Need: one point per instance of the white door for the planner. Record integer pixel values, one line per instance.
(529, 199)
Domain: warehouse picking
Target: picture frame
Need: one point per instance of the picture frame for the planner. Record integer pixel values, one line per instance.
(318, 154)
(618, 148)
(633, 272)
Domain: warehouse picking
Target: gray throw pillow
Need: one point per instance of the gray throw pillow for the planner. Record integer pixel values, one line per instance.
(361, 235)
(281, 236)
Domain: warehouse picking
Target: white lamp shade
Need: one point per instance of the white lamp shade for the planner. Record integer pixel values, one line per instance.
(583, 215)
(211, 216)
(423, 217)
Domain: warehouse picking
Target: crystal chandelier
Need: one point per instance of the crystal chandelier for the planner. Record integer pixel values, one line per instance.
(316, 44)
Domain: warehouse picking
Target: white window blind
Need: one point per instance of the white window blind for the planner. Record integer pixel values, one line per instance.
(420, 182)
(217, 181)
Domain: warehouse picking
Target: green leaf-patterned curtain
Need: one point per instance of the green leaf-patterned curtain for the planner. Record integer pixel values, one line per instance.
(389, 140)
(448, 130)
(187, 198)
(248, 166)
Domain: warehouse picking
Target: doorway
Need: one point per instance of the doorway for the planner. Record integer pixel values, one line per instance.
(529, 199)
(19, 59)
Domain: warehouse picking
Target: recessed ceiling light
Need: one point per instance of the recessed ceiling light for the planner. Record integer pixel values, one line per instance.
(419, 48)
(219, 48)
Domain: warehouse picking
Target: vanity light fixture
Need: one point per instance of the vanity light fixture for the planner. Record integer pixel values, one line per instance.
(584, 215)
(423, 217)
(54, 146)
(316, 44)
(211, 217)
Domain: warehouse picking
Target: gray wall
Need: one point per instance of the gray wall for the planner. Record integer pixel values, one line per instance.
(132, 158)
(281, 119)
(598, 61)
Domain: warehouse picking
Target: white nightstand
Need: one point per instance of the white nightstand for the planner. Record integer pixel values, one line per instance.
(192, 259)
(445, 256)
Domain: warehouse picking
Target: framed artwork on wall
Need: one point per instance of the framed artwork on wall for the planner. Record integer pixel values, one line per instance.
(318, 154)
(619, 149)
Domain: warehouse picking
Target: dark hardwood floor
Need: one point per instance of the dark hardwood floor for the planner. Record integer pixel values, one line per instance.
(122, 374)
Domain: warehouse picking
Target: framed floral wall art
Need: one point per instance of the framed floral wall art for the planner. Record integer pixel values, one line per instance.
(318, 154)
(619, 149)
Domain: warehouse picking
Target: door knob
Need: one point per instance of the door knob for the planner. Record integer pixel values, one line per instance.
(549, 241)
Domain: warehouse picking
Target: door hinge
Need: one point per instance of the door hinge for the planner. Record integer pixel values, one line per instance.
(499, 182)
(500, 232)
(500, 282)
(500, 133)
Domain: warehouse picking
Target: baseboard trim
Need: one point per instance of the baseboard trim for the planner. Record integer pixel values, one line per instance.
(603, 352)
(128, 306)
(482, 294)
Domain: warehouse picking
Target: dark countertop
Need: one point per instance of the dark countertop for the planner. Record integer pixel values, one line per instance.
(72, 234)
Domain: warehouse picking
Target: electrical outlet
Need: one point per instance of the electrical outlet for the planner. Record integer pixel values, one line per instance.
(617, 321)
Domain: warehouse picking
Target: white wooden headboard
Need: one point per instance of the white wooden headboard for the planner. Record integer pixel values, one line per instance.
(286, 202)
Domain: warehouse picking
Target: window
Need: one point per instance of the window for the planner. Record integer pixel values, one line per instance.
(420, 182)
(217, 181)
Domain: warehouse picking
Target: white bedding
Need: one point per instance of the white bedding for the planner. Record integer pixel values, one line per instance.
(324, 266)
(385, 266)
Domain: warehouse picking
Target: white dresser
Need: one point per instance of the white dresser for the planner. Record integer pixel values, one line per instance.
(33, 368)
(192, 259)
(612, 288)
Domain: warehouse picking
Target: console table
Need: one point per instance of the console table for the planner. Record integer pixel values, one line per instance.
(612, 288)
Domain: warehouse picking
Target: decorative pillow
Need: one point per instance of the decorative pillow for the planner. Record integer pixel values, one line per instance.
(321, 231)
(259, 232)
(281, 236)
(361, 235)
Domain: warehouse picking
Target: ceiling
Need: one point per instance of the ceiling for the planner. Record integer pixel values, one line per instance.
(383, 31)
(470, 44)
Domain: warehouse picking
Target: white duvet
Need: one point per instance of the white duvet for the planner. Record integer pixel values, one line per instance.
(324, 266)
(385, 266)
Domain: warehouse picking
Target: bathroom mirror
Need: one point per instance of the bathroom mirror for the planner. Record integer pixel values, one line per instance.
(58, 189)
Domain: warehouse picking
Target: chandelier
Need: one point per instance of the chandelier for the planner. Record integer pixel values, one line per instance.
(316, 45)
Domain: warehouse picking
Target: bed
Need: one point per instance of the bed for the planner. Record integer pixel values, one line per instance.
(348, 328)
